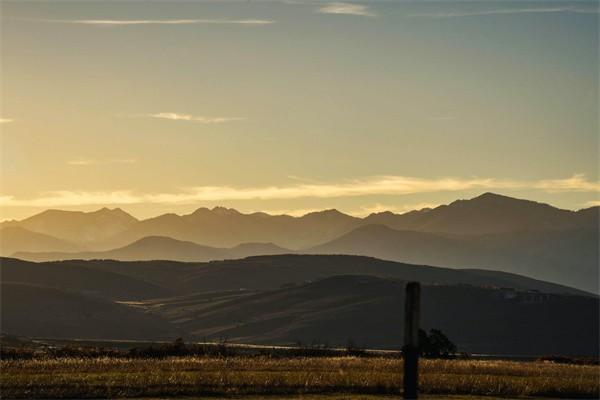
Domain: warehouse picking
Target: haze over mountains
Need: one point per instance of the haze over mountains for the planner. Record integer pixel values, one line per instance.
(490, 231)
(276, 297)
(161, 248)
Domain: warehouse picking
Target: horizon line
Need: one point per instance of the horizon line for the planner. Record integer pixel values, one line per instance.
(300, 213)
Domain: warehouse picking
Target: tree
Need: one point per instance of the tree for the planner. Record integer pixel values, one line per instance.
(436, 344)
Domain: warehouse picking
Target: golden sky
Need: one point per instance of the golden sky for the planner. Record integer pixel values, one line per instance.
(296, 106)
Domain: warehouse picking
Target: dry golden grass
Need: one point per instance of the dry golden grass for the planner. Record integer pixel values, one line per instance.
(194, 376)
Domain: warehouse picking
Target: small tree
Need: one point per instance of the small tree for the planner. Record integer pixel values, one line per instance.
(436, 344)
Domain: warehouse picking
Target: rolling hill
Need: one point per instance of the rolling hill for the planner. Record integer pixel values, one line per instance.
(140, 280)
(284, 298)
(368, 311)
(42, 311)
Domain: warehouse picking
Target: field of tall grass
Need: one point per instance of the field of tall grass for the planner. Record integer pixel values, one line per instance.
(213, 376)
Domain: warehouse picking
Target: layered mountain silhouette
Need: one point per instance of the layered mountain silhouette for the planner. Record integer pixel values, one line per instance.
(76, 226)
(223, 227)
(489, 231)
(487, 214)
(161, 248)
(567, 256)
(283, 299)
(14, 239)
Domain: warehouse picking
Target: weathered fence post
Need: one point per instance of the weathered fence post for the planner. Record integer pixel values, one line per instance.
(411, 340)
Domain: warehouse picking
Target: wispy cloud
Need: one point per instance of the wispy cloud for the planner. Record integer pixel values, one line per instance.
(379, 185)
(129, 22)
(576, 183)
(193, 118)
(507, 11)
(346, 9)
(85, 162)
(5, 120)
(592, 203)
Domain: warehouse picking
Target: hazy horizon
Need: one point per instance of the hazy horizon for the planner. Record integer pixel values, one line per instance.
(294, 213)
(290, 107)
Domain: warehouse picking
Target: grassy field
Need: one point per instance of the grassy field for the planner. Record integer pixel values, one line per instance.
(256, 376)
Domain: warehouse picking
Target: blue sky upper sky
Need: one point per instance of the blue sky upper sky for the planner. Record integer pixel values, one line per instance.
(288, 106)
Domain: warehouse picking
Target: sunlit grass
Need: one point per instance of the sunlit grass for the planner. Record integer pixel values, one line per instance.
(193, 376)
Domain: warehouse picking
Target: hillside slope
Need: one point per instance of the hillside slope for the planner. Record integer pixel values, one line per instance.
(568, 257)
(41, 311)
(368, 311)
(148, 279)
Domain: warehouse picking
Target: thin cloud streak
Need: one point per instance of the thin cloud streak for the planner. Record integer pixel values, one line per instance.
(346, 9)
(506, 11)
(191, 118)
(592, 203)
(576, 183)
(382, 185)
(117, 22)
(85, 162)
(6, 120)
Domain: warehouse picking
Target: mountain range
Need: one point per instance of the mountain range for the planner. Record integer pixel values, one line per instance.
(489, 231)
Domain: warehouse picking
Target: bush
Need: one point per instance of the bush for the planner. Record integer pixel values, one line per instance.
(435, 345)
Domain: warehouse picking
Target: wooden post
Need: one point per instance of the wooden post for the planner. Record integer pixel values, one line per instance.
(411, 340)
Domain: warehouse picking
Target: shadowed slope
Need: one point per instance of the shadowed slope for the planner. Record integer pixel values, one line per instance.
(41, 311)
(368, 310)
(165, 278)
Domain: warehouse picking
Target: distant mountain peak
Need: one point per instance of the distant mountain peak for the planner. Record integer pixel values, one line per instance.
(381, 213)
(491, 195)
(225, 211)
(331, 212)
(111, 211)
(201, 210)
(496, 198)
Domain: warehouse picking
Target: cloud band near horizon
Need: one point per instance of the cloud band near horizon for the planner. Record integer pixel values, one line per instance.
(134, 22)
(378, 185)
(507, 11)
(193, 118)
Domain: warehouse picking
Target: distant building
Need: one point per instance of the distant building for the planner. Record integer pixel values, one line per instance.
(528, 296)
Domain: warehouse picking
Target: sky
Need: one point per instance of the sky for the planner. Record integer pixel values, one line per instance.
(294, 106)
